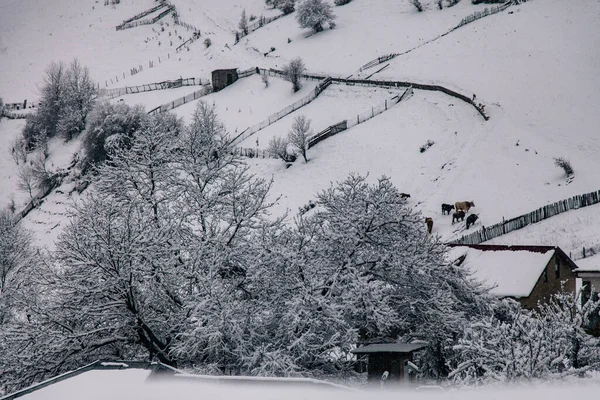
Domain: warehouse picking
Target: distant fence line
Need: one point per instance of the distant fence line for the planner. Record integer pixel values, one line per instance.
(585, 252)
(177, 83)
(182, 100)
(12, 115)
(349, 123)
(480, 14)
(542, 213)
(325, 81)
(137, 21)
(259, 23)
(466, 20)
(252, 153)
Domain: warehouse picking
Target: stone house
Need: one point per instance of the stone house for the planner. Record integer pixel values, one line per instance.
(528, 274)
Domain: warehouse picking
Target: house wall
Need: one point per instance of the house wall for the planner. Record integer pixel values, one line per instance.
(543, 290)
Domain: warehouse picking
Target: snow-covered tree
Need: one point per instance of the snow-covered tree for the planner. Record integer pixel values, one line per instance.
(243, 24)
(516, 344)
(114, 124)
(293, 72)
(299, 134)
(314, 13)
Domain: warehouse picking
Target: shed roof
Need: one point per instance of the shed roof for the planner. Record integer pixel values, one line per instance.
(390, 348)
(589, 264)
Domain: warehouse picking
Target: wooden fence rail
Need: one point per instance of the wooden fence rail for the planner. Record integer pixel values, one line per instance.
(325, 81)
(466, 20)
(542, 213)
(148, 87)
(182, 100)
(149, 21)
(259, 23)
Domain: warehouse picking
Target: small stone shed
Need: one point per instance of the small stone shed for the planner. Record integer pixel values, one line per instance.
(390, 357)
(221, 78)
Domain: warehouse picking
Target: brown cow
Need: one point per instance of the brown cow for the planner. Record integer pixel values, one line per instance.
(429, 222)
(464, 205)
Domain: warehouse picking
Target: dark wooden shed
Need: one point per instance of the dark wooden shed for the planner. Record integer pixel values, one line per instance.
(221, 78)
(390, 357)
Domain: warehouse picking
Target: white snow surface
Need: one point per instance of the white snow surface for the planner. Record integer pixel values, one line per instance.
(509, 273)
(589, 264)
(132, 384)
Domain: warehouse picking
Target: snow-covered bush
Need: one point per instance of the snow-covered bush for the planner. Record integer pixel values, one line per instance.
(341, 2)
(293, 72)
(314, 13)
(109, 120)
(417, 5)
(278, 148)
(516, 344)
(287, 6)
(299, 134)
(265, 80)
(565, 165)
(207, 42)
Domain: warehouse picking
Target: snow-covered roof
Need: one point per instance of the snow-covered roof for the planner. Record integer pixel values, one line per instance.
(390, 348)
(511, 271)
(589, 264)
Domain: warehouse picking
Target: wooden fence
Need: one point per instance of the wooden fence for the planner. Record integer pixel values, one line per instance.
(480, 14)
(259, 23)
(137, 21)
(253, 153)
(177, 83)
(182, 100)
(542, 213)
(325, 81)
(12, 115)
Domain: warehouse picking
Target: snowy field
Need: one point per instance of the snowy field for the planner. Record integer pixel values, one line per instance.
(336, 103)
(248, 101)
(505, 165)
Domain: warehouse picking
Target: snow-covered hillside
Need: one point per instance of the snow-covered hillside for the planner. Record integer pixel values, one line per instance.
(534, 66)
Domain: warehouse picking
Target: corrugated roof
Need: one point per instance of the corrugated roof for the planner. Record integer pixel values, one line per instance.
(390, 348)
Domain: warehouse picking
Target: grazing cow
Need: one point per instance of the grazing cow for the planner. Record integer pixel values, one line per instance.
(446, 208)
(429, 222)
(471, 220)
(459, 215)
(464, 205)
(404, 195)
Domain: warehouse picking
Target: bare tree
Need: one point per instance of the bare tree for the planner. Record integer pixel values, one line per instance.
(278, 148)
(243, 24)
(293, 72)
(300, 133)
(26, 180)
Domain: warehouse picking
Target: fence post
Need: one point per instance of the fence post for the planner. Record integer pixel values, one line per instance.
(386, 104)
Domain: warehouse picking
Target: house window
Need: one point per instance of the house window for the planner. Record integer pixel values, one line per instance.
(545, 274)
(557, 269)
